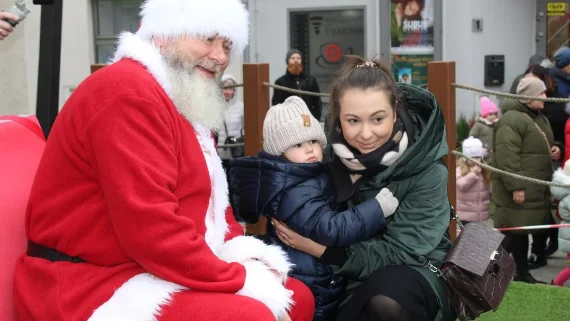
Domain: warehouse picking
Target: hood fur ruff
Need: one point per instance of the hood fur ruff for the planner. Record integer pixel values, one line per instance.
(559, 177)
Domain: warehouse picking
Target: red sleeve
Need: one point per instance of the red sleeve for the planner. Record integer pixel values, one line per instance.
(235, 229)
(132, 145)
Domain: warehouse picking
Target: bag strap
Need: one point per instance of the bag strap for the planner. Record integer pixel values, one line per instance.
(29, 124)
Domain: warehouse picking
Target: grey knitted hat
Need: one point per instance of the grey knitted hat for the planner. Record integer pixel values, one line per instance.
(289, 124)
(530, 86)
(290, 53)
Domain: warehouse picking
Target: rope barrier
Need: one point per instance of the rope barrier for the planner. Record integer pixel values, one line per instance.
(295, 91)
(512, 96)
(532, 227)
(232, 86)
(502, 172)
(230, 145)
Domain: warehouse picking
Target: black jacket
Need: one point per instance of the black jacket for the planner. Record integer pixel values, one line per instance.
(303, 197)
(302, 82)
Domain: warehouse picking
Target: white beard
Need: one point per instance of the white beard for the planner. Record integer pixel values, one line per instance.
(199, 99)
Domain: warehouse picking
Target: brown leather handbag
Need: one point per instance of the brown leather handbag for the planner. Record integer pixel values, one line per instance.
(477, 270)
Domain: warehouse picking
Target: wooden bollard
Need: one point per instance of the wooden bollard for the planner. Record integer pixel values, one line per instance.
(256, 104)
(441, 74)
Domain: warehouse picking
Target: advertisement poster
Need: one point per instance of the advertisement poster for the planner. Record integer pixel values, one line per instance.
(325, 37)
(412, 23)
(411, 68)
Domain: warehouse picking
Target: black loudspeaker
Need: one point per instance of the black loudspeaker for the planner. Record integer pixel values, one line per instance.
(494, 70)
(43, 2)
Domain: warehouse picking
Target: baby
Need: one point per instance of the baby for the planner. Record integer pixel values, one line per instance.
(288, 181)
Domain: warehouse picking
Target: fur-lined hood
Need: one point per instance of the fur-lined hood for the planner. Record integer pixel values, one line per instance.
(561, 178)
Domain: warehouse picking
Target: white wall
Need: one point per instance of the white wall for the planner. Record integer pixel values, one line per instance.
(508, 29)
(270, 28)
(19, 55)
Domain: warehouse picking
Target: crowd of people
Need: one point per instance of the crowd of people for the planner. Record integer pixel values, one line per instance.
(530, 138)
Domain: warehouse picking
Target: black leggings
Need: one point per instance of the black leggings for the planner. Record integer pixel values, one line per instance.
(517, 245)
(393, 293)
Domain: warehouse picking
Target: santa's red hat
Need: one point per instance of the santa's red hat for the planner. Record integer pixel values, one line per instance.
(204, 18)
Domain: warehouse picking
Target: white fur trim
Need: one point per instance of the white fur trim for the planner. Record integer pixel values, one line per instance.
(243, 248)
(132, 46)
(203, 18)
(138, 299)
(561, 178)
(216, 224)
(264, 286)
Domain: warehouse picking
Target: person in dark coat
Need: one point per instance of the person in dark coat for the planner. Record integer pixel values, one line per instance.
(296, 78)
(534, 60)
(288, 182)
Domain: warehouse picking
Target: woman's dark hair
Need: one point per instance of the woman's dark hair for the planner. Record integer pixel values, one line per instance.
(357, 73)
(543, 74)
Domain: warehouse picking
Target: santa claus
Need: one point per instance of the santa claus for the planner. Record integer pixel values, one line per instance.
(128, 217)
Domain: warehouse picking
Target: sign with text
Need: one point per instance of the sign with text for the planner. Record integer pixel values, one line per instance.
(556, 8)
(411, 68)
(412, 23)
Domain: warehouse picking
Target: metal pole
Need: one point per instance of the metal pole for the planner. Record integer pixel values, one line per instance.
(47, 103)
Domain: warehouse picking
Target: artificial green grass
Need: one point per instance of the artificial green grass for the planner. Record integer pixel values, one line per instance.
(534, 302)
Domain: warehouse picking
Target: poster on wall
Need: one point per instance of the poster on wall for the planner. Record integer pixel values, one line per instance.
(412, 23)
(324, 37)
(411, 68)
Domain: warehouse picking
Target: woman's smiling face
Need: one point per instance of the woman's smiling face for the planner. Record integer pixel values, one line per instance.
(367, 118)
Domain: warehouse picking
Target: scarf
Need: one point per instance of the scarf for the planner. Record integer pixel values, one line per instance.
(367, 164)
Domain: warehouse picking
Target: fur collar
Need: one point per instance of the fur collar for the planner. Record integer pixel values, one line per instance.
(133, 47)
(561, 178)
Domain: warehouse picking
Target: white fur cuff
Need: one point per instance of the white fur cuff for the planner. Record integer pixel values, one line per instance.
(264, 286)
(243, 248)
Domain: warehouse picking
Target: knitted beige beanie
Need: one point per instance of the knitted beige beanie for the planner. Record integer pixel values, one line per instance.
(530, 86)
(289, 124)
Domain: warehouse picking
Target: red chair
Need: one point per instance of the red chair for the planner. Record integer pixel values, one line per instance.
(21, 145)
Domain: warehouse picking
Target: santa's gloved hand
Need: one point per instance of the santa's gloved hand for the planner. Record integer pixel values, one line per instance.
(243, 249)
(388, 203)
(265, 286)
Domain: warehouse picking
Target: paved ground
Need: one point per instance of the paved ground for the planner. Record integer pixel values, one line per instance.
(547, 273)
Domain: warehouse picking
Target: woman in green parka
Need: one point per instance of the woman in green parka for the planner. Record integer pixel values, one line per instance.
(524, 145)
(388, 135)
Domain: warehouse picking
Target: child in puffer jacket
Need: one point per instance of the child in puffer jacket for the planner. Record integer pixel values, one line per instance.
(289, 182)
(562, 176)
(473, 184)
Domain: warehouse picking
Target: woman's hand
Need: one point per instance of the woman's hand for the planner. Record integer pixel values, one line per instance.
(296, 241)
(518, 197)
(555, 153)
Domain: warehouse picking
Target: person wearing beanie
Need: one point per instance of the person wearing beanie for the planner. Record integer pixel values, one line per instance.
(485, 125)
(561, 70)
(129, 216)
(297, 78)
(562, 176)
(524, 145)
(473, 184)
(288, 182)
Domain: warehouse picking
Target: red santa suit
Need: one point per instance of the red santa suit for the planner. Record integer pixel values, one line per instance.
(136, 194)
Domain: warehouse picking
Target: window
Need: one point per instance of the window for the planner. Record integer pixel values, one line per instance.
(113, 17)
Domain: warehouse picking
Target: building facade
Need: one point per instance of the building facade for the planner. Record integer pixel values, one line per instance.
(464, 31)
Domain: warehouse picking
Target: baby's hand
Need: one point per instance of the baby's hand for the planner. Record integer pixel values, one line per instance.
(387, 201)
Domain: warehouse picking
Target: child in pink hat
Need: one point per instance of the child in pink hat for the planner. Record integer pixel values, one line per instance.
(484, 126)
